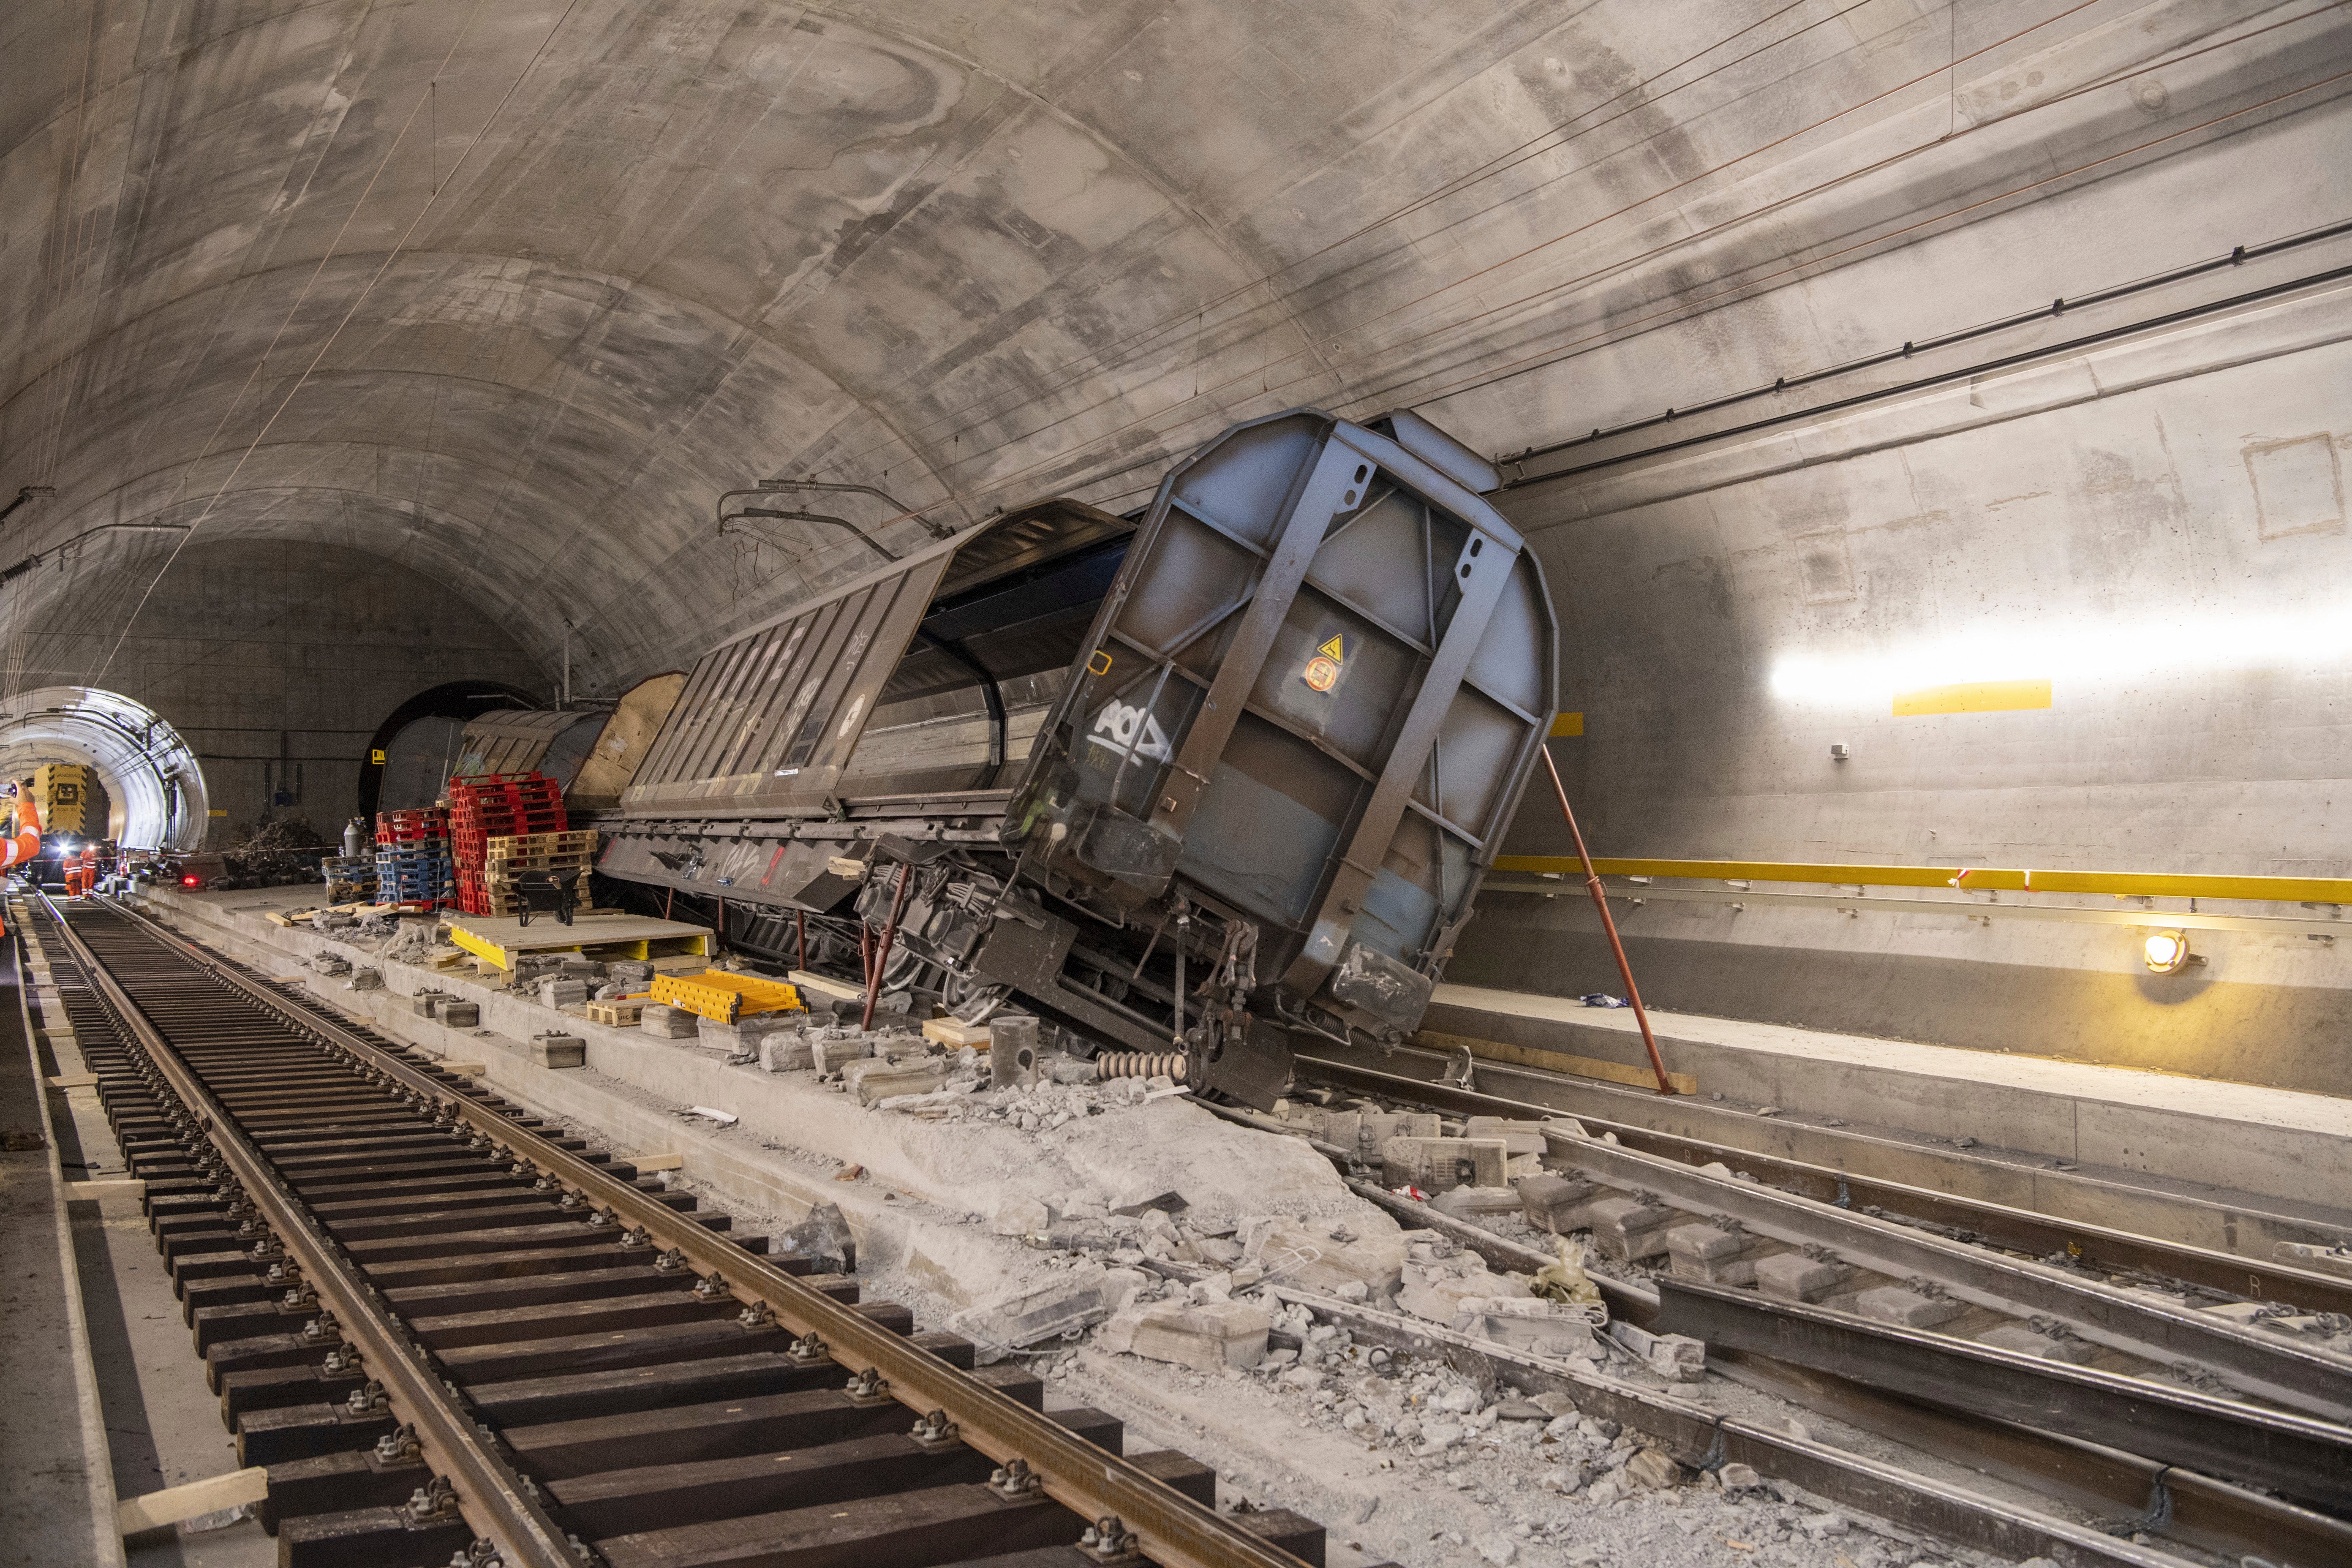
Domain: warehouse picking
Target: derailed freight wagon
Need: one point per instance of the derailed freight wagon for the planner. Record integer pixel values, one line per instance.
(1194, 785)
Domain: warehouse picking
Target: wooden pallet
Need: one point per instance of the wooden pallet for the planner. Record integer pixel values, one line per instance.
(577, 838)
(622, 1012)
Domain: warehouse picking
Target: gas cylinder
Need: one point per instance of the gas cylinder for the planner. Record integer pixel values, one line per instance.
(355, 837)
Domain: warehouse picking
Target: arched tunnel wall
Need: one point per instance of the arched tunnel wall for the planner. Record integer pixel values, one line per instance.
(274, 659)
(2157, 527)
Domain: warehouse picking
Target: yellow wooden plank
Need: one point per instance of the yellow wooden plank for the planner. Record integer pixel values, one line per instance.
(1555, 1061)
(1565, 725)
(1973, 697)
(481, 947)
(1997, 878)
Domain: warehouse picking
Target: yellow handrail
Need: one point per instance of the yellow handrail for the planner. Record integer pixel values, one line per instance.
(1970, 878)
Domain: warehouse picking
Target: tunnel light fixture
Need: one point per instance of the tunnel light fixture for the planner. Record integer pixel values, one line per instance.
(2167, 952)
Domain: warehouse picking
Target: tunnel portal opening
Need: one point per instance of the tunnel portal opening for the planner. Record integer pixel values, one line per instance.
(154, 785)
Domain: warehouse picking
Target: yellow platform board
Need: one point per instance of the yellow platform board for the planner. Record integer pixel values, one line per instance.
(501, 938)
(723, 997)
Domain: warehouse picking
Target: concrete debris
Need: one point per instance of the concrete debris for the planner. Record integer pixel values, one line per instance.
(1675, 1357)
(724, 1117)
(1443, 1289)
(1085, 1295)
(1537, 1327)
(1208, 1335)
(877, 1078)
(2336, 1260)
(1653, 1468)
(365, 979)
(823, 1239)
(1311, 1257)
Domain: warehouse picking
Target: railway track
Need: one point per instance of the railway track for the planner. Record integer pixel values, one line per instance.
(2083, 1364)
(453, 1335)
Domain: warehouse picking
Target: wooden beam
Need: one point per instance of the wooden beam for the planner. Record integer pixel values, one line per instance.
(154, 1510)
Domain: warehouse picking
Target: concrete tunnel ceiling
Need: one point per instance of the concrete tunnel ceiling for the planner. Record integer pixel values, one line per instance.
(509, 293)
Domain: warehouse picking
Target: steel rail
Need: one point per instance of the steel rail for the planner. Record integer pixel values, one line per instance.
(2270, 1366)
(1707, 1439)
(2182, 1504)
(2001, 1225)
(2310, 1461)
(492, 1496)
(1172, 1528)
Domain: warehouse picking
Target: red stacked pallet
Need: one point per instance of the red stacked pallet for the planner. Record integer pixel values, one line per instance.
(496, 805)
(408, 827)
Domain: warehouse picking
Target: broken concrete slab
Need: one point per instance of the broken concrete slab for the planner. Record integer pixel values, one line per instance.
(1087, 1294)
(1533, 1326)
(1209, 1335)
(877, 1078)
(1443, 1291)
(1307, 1257)
(1677, 1357)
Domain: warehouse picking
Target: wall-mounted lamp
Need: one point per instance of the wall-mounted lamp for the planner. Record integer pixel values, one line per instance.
(1838, 751)
(2167, 953)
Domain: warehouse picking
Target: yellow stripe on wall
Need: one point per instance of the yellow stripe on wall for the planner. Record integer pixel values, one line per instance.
(1566, 724)
(1973, 697)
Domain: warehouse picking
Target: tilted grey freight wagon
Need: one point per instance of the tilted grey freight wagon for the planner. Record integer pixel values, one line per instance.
(1190, 784)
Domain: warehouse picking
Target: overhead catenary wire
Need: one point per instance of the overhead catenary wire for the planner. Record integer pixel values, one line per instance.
(1122, 434)
(1094, 361)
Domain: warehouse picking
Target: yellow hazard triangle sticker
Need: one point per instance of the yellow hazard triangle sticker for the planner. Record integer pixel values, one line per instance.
(1322, 671)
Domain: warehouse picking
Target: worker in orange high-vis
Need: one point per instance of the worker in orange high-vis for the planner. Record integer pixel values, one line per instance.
(26, 842)
(82, 872)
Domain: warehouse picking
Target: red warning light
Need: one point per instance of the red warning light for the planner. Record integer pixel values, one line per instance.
(192, 882)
